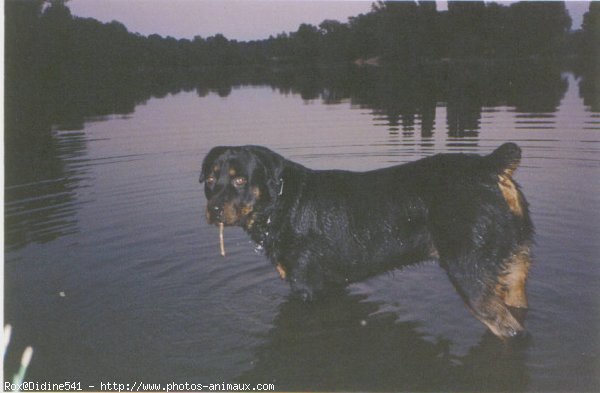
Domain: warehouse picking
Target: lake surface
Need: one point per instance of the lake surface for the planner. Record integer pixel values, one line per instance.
(112, 273)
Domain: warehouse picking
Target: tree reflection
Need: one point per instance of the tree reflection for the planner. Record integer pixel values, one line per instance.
(403, 99)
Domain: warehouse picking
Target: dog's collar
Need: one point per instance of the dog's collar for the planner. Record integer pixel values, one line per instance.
(269, 220)
(278, 194)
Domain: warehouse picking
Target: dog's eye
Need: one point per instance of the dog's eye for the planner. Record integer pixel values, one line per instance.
(239, 181)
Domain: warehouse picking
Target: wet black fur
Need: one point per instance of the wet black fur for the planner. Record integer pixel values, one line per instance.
(328, 228)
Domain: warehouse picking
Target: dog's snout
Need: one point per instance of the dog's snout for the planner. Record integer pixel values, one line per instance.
(217, 211)
(214, 213)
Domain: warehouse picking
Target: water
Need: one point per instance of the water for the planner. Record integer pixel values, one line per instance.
(112, 274)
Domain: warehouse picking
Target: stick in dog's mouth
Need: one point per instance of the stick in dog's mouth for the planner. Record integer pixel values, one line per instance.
(221, 241)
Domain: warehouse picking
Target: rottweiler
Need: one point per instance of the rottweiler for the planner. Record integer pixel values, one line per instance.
(324, 229)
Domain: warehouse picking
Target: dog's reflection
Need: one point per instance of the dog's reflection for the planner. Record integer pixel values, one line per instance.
(343, 343)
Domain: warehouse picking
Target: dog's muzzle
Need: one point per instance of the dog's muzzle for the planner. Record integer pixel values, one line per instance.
(214, 213)
(225, 213)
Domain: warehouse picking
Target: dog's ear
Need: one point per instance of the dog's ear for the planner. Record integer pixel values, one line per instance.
(212, 155)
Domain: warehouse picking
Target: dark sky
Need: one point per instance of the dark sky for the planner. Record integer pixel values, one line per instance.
(236, 19)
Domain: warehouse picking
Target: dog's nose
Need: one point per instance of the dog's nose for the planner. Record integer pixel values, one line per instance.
(215, 211)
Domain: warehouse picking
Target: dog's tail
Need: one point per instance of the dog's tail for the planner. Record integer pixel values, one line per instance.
(505, 159)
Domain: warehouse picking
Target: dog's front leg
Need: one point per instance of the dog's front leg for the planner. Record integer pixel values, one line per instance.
(305, 277)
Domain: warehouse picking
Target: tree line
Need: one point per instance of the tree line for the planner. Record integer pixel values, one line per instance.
(43, 37)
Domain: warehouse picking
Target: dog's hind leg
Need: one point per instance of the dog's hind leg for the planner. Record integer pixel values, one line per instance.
(496, 316)
(512, 282)
(479, 287)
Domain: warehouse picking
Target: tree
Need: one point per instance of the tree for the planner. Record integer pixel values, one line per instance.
(397, 32)
(305, 43)
(335, 41)
(22, 34)
(591, 31)
(467, 27)
(538, 28)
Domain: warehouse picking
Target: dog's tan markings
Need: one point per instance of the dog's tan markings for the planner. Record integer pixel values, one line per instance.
(255, 191)
(221, 239)
(281, 271)
(433, 252)
(250, 221)
(232, 172)
(502, 309)
(511, 285)
(230, 214)
(510, 193)
(245, 210)
(216, 168)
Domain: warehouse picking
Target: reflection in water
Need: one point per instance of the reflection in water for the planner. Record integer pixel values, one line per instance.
(399, 95)
(39, 212)
(589, 86)
(39, 191)
(345, 343)
(111, 217)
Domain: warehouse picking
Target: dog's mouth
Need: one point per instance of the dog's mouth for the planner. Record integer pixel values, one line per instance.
(228, 215)
(217, 219)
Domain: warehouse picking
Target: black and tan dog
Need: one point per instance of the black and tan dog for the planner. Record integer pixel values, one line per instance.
(327, 228)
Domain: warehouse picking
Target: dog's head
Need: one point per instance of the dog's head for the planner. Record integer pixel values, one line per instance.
(239, 182)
